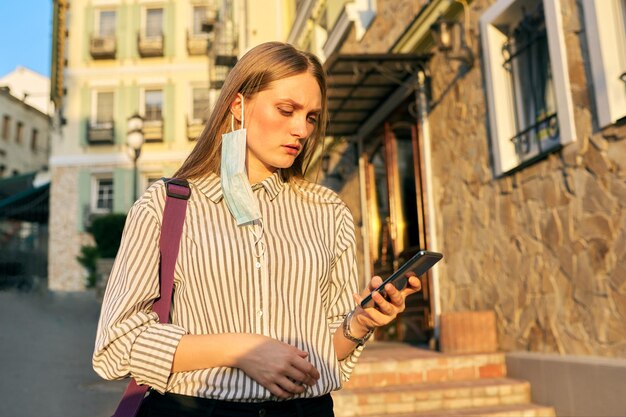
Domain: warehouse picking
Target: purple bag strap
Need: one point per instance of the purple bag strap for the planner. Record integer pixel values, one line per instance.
(178, 192)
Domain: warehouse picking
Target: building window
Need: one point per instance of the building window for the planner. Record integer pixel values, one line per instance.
(154, 23)
(154, 105)
(102, 196)
(153, 115)
(6, 126)
(33, 140)
(201, 103)
(101, 125)
(528, 94)
(106, 26)
(103, 114)
(19, 131)
(605, 24)
(199, 17)
(103, 44)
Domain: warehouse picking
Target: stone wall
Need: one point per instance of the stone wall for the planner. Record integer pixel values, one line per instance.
(64, 271)
(542, 247)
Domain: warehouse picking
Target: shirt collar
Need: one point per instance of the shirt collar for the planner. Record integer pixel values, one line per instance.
(211, 186)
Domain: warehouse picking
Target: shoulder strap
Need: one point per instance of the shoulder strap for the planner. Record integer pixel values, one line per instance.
(178, 192)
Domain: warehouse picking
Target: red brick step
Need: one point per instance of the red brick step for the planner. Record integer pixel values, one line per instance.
(514, 410)
(384, 364)
(423, 397)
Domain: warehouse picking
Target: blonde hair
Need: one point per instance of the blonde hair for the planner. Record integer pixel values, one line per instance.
(255, 72)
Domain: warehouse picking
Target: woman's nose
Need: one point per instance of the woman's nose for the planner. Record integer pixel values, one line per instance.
(299, 127)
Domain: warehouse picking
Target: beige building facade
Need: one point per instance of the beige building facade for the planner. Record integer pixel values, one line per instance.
(502, 145)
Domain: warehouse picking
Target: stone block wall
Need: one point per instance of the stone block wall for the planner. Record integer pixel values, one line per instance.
(542, 247)
(64, 272)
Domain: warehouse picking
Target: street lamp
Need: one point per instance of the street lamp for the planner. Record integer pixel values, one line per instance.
(135, 140)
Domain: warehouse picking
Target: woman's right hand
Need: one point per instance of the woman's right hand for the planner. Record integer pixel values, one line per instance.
(281, 368)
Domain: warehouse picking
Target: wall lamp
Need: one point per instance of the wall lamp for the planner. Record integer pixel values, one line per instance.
(452, 39)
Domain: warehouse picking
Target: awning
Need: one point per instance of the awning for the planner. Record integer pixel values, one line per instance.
(20, 199)
(359, 83)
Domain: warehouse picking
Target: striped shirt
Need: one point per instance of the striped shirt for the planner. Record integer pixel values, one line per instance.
(298, 291)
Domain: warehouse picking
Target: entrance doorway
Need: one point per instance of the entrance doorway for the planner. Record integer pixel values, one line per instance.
(396, 217)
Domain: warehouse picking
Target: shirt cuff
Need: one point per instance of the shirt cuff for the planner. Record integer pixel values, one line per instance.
(153, 353)
(347, 364)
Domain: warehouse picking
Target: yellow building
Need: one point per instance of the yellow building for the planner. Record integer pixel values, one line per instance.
(112, 59)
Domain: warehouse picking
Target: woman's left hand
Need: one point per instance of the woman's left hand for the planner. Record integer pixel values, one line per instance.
(384, 310)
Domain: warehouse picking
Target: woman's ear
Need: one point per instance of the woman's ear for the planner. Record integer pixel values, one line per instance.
(236, 107)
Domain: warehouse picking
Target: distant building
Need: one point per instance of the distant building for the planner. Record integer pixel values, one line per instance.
(24, 135)
(24, 184)
(30, 87)
(164, 61)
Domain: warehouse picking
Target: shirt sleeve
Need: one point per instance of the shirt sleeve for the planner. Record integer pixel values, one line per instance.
(343, 283)
(130, 340)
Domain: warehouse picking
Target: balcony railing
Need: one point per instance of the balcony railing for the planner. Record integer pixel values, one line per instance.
(197, 44)
(153, 130)
(194, 128)
(150, 46)
(225, 45)
(102, 47)
(217, 76)
(100, 133)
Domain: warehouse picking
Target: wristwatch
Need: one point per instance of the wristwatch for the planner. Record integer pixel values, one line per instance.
(348, 335)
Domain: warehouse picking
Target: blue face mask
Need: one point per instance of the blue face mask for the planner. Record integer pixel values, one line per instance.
(234, 178)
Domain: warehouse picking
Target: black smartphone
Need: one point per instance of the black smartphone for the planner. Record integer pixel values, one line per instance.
(421, 262)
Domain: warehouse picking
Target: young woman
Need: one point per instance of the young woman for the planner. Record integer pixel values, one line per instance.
(265, 317)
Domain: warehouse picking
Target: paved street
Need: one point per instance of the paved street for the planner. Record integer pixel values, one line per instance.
(46, 342)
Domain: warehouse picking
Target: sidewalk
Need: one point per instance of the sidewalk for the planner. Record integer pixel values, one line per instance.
(46, 342)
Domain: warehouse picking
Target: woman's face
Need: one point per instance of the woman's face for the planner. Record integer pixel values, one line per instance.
(278, 121)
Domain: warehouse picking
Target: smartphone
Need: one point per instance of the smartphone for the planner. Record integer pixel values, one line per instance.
(421, 262)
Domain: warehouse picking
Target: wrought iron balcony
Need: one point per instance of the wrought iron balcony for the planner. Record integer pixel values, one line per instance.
(194, 128)
(217, 76)
(197, 44)
(150, 46)
(102, 133)
(153, 130)
(102, 47)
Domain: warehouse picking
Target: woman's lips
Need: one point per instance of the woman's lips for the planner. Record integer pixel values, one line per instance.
(292, 149)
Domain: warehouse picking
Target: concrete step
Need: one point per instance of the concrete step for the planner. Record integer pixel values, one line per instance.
(385, 364)
(430, 397)
(513, 410)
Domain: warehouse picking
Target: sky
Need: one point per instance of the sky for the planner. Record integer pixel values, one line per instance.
(25, 35)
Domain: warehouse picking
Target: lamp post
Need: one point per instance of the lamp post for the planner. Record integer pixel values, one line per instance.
(135, 140)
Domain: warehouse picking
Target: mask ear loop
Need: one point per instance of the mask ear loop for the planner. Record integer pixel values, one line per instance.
(232, 116)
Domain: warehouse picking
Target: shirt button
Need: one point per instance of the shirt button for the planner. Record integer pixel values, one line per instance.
(259, 313)
(262, 412)
(257, 265)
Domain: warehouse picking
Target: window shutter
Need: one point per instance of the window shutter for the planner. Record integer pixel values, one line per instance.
(123, 197)
(169, 115)
(85, 115)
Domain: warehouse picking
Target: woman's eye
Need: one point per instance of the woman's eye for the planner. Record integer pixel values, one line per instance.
(312, 120)
(285, 112)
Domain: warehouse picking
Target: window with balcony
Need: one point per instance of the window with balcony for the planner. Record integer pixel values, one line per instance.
(151, 39)
(103, 43)
(203, 21)
(102, 195)
(200, 112)
(100, 130)
(605, 24)
(153, 115)
(528, 94)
